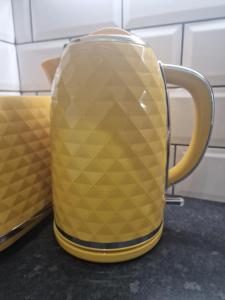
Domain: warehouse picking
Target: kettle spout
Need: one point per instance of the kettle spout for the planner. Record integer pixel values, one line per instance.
(49, 67)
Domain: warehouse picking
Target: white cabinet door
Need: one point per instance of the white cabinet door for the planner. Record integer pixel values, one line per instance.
(30, 58)
(67, 18)
(165, 41)
(182, 119)
(143, 13)
(208, 179)
(204, 49)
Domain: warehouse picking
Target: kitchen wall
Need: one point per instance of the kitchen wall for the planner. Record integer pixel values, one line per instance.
(9, 79)
(189, 33)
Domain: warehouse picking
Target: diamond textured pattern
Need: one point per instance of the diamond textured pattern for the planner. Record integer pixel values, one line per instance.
(108, 141)
(25, 181)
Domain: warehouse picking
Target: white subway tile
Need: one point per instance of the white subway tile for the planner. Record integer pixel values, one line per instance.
(204, 49)
(182, 117)
(165, 41)
(6, 21)
(21, 12)
(30, 58)
(57, 19)
(207, 181)
(143, 13)
(9, 79)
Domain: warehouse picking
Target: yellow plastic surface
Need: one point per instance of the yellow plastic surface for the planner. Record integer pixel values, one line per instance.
(119, 255)
(25, 183)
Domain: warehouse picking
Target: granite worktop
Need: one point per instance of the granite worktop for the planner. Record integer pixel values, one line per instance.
(188, 263)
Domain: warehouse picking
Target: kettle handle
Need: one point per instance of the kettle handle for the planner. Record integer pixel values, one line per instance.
(202, 94)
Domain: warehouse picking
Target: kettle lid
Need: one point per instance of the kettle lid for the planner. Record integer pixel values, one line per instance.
(111, 34)
(105, 34)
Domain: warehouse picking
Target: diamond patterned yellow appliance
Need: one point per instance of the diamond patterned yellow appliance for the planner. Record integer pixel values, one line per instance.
(25, 185)
(110, 142)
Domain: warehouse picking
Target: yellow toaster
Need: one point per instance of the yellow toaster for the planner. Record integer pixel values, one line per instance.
(25, 176)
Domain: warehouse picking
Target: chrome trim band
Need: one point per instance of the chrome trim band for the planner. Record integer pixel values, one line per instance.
(174, 201)
(110, 38)
(108, 246)
(168, 125)
(41, 214)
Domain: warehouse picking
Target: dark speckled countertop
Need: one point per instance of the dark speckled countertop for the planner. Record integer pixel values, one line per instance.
(188, 263)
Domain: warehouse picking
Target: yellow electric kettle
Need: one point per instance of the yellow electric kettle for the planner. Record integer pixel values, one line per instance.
(110, 143)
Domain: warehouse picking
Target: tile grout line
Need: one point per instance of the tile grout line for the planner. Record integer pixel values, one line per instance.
(7, 42)
(182, 44)
(122, 25)
(186, 145)
(176, 23)
(17, 58)
(51, 40)
(31, 21)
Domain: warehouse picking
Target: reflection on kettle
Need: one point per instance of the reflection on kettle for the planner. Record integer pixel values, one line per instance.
(110, 143)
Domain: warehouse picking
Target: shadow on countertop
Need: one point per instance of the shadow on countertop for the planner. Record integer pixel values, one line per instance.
(188, 263)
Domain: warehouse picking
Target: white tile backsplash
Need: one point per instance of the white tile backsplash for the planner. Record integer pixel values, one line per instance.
(182, 117)
(57, 19)
(21, 12)
(207, 181)
(165, 41)
(204, 49)
(9, 79)
(143, 13)
(187, 32)
(6, 21)
(30, 58)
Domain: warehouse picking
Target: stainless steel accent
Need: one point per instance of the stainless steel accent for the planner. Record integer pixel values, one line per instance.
(207, 84)
(108, 246)
(111, 38)
(168, 125)
(176, 201)
(41, 214)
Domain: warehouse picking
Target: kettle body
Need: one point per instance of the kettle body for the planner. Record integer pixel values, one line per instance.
(110, 143)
